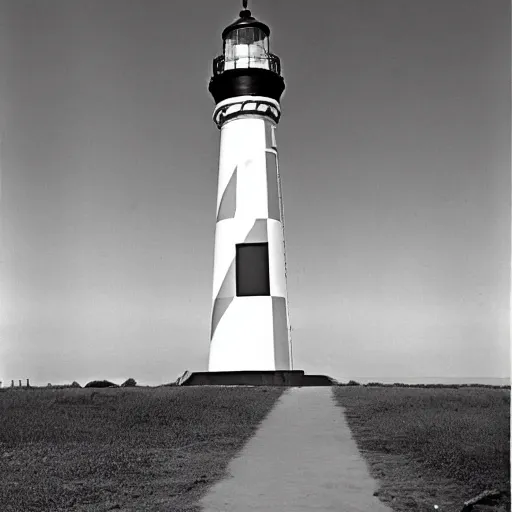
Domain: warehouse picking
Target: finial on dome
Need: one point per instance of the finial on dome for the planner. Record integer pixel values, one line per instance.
(245, 13)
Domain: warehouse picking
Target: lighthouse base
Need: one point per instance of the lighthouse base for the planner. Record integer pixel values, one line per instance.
(289, 378)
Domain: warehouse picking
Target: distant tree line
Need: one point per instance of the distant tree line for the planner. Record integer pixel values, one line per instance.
(129, 383)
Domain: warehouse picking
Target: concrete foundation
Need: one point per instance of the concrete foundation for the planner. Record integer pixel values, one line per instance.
(290, 378)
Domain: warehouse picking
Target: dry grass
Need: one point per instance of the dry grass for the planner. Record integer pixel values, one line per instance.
(432, 446)
(126, 449)
(143, 449)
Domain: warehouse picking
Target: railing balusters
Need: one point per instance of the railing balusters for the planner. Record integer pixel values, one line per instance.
(274, 63)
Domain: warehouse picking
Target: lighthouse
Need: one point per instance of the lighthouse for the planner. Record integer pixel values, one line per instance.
(249, 316)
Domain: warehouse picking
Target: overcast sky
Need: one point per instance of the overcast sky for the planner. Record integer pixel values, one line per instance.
(395, 159)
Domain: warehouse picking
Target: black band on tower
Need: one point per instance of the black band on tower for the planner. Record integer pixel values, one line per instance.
(246, 82)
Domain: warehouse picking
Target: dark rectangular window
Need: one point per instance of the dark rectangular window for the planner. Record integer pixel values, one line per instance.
(252, 275)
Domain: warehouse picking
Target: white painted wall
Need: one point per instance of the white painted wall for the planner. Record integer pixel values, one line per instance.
(240, 343)
(244, 336)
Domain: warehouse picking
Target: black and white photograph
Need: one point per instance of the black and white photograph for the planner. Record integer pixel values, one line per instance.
(255, 255)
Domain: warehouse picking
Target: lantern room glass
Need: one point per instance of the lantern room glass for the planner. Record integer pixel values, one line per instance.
(246, 47)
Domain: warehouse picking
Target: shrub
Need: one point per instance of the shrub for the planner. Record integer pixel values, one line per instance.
(353, 383)
(101, 384)
(75, 384)
(129, 383)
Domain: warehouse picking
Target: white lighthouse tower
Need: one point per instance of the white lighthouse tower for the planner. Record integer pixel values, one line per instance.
(249, 319)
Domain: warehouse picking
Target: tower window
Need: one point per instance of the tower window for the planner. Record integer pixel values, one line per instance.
(252, 271)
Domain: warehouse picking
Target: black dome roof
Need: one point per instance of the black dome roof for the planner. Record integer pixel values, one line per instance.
(245, 20)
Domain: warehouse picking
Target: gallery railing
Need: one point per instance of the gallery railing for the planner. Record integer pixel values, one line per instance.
(270, 62)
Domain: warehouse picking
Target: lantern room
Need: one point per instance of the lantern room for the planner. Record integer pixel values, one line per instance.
(246, 43)
(246, 66)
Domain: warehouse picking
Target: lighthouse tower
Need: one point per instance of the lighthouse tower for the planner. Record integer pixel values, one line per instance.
(249, 319)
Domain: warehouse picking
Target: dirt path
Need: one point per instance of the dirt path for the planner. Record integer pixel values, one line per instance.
(302, 457)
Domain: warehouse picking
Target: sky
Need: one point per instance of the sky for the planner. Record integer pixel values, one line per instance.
(394, 147)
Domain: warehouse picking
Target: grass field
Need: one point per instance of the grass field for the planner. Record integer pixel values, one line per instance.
(156, 449)
(432, 446)
(138, 449)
